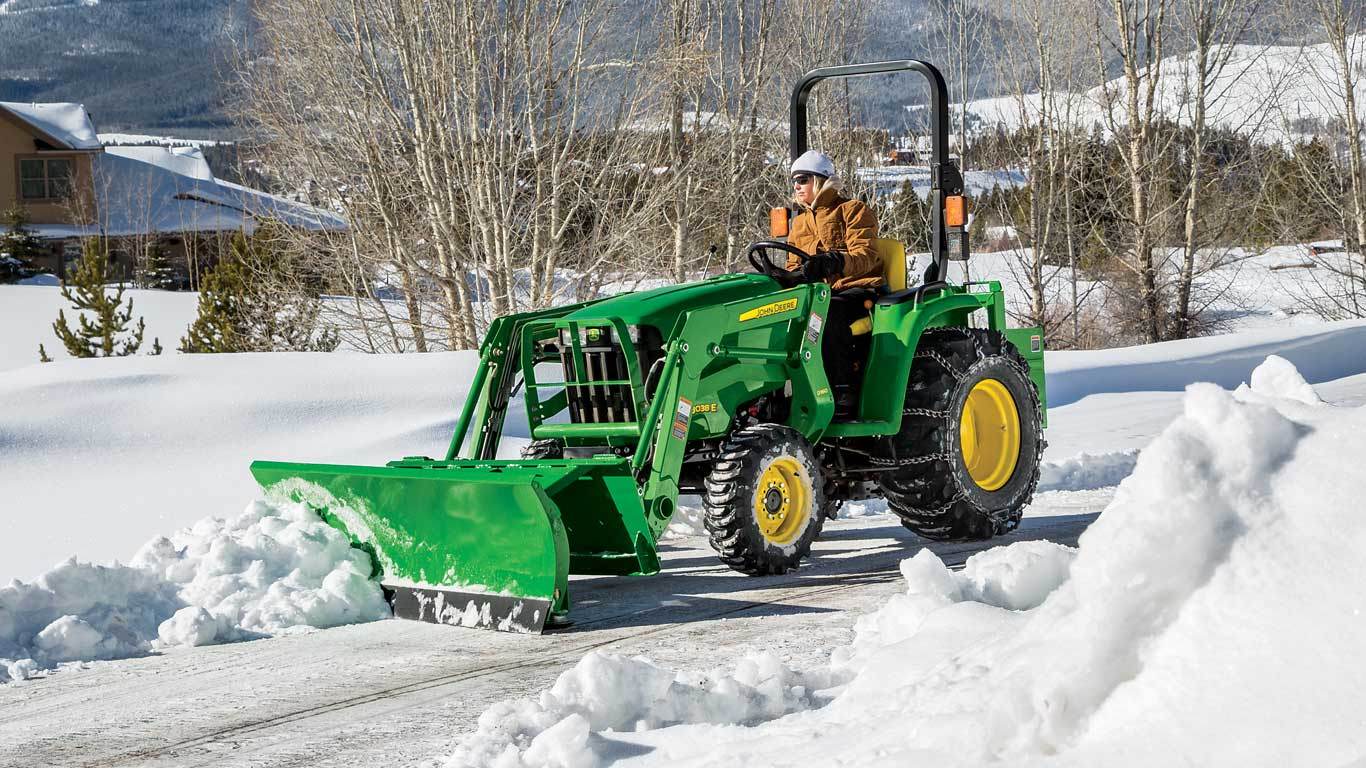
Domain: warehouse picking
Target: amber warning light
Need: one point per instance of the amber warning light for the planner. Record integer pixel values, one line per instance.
(955, 210)
(777, 222)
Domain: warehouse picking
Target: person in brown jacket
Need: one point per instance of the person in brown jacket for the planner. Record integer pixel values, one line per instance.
(838, 235)
(836, 232)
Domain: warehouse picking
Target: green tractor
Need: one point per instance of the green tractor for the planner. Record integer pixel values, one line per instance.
(716, 389)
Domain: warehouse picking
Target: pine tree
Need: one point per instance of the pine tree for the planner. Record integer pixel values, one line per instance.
(156, 271)
(252, 302)
(220, 325)
(18, 246)
(102, 325)
(909, 219)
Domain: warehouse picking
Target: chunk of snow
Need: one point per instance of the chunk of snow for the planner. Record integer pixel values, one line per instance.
(1278, 377)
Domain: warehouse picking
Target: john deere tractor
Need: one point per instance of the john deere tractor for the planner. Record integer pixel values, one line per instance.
(715, 389)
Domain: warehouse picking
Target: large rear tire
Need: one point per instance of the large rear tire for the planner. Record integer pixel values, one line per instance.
(971, 438)
(764, 500)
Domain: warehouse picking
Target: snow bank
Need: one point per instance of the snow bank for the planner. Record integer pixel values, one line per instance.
(1320, 353)
(270, 569)
(162, 442)
(1087, 472)
(1208, 617)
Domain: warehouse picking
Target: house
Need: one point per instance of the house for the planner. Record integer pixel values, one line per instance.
(53, 164)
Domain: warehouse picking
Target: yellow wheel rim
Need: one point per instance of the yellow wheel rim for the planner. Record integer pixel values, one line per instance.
(990, 434)
(782, 502)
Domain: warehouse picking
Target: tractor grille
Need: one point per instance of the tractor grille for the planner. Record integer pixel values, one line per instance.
(591, 403)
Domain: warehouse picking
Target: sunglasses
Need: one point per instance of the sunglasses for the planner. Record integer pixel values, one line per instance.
(802, 178)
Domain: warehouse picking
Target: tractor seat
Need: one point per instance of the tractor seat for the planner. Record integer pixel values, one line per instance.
(893, 255)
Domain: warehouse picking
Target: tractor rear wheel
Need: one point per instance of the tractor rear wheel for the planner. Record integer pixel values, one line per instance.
(764, 500)
(971, 438)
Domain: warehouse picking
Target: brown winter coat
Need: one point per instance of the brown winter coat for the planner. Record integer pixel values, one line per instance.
(837, 223)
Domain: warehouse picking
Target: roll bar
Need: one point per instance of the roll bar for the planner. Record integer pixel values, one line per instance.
(945, 178)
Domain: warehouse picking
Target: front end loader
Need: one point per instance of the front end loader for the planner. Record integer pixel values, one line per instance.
(715, 389)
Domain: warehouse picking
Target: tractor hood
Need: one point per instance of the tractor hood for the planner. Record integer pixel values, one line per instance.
(661, 307)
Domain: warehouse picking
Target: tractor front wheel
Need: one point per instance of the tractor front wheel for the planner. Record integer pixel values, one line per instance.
(764, 500)
(967, 455)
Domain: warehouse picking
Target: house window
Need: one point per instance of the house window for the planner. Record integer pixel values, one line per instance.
(42, 178)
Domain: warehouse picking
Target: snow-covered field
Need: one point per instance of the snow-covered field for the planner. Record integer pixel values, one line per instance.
(1264, 90)
(1206, 617)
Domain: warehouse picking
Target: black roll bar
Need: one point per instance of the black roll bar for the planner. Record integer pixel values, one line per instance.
(945, 178)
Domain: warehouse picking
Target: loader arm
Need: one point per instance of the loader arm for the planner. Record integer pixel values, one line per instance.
(691, 372)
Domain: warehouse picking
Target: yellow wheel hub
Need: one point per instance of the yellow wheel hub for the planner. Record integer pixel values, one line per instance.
(782, 502)
(990, 434)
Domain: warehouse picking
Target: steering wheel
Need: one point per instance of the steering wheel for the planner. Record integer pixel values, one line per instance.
(759, 258)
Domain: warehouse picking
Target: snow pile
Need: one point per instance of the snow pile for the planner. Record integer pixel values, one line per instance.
(270, 569)
(77, 612)
(1208, 617)
(609, 692)
(1278, 377)
(1087, 472)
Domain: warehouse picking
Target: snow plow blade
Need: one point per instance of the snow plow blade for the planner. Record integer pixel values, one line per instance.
(459, 546)
(474, 543)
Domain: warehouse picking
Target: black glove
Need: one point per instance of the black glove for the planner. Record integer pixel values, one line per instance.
(823, 265)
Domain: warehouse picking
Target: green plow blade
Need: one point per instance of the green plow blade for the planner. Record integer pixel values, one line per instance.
(477, 543)
(458, 545)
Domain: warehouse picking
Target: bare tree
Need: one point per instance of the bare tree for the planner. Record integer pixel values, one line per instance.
(960, 27)
(1212, 29)
(1341, 21)
(472, 174)
(1043, 71)
(1134, 34)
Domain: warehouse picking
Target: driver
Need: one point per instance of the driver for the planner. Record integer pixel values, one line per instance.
(839, 234)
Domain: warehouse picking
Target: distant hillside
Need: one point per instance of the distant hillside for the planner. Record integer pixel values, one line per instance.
(161, 65)
(133, 63)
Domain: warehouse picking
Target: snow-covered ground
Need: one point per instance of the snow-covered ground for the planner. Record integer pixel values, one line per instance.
(1188, 596)
(1205, 618)
(888, 179)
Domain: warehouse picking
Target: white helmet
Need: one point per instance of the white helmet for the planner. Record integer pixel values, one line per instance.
(815, 162)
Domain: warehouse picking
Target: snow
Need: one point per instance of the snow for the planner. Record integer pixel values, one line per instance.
(185, 161)
(160, 189)
(175, 434)
(270, 569)
(68, 123)
(139, 139)
(1263, 90)
(887, 179)
(1199, 576)
(29, 309)
(1325, 352)
(1174, 633)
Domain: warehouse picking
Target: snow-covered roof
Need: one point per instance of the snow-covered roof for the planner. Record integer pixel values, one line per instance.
(155, 189)
(145, 190)
(68, 124)
(186, 161)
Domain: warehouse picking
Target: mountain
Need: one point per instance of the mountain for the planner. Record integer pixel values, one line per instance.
(148, 65)
(133, 63)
